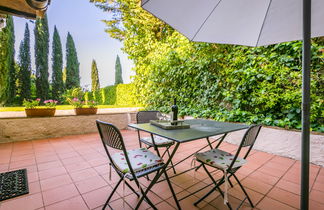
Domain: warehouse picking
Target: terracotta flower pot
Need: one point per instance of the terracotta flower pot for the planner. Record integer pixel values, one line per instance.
(42, 112)
(85, 111)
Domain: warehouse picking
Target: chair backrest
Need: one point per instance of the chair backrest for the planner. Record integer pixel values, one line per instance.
(248, 140)
(146, 116)
(111, 137)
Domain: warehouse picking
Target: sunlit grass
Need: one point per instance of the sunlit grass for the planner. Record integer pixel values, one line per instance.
(62, 107)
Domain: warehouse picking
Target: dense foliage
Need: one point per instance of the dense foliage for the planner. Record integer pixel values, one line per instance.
(24, 70)
(41, 57)
(72, 64)
(223, 82)
(7, 63)
(118, 72)
(57, 66)
(95, 85)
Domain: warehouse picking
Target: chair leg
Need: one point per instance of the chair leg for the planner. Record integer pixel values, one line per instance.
(112, 193)
(172, 191)
(216, 187)
(144, 195)
(174, 171)
(250, 201)
(146, 191)
(139, 138)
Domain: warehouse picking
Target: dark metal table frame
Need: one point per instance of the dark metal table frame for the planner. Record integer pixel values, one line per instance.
(199, 129)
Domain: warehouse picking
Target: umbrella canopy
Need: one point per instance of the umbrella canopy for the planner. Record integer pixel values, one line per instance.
(252, 23)
(241, 22)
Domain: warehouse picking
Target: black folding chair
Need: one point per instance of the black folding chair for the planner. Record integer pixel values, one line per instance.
(153, 141)
(129, 164)
(228, 163)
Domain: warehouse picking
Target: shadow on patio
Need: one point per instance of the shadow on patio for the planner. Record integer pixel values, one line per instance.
(71, 172)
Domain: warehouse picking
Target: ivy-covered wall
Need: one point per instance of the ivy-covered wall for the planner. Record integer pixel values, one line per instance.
(223, 82)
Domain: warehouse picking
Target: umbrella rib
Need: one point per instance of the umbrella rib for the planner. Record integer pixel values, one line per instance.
(205, 20)
(265, 17)
(144, 3)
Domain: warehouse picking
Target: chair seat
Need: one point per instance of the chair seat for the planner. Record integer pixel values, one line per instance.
(159, 141)
(140, 159)
(219, 159)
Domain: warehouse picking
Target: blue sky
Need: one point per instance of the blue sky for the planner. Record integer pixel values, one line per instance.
(83, 20)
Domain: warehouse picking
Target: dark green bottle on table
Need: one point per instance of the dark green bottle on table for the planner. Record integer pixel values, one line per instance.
(174, 110)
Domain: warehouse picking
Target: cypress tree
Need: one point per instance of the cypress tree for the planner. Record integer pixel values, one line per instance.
(7, 63)
(57, 66)
(41, 57)
(24, 71)
(94, 77)
(118, 72)
(72, 64)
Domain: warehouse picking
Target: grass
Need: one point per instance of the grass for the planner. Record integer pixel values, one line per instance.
(62, 107)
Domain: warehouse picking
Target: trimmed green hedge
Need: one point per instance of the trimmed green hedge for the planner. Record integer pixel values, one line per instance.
(121, 94)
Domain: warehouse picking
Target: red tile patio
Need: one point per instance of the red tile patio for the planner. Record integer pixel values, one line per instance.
(72, 173)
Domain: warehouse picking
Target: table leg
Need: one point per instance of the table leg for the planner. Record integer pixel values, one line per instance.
(163, 171)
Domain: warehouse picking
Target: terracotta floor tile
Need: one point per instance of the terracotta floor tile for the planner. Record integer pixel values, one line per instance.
(83, 174)
(98, 197)
(68, 155)
(98, 162)
(268, 179)
(76, 203)
(32, 176)
(52, 173)
(317, 196)
(132, 201)
(29, 202)
(22, 163)
(77, 166)
(54, 182)
(103, 169)
(47, 158)
(120, 204)
(34, 187)
(257, 186)
(237, 192)
(72, 160)
(318, 186)
(270, 204)
(164, 206)
(314, 205)
(22, 157)
(285, 197)
(320, 179)
(289, 186)
(283, 160)
(49, 165)
(4, 167)
(91, 183)
(59, 194)
(218, 203)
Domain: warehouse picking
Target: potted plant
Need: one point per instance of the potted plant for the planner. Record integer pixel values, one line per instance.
(83, 107)
(32, 108)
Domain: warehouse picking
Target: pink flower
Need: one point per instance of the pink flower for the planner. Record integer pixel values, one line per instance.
(45, 102)
(38, 99)
(55, 101)
(75, 99)
(51, 101)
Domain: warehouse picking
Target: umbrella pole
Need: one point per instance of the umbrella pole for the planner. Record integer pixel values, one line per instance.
(304, 199)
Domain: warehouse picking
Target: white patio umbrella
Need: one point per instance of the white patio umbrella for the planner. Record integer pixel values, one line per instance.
(251, 23)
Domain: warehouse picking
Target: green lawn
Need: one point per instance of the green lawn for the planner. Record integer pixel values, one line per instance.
(62, 107)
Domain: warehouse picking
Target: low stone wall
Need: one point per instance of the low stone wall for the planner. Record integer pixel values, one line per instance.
(19, 129)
